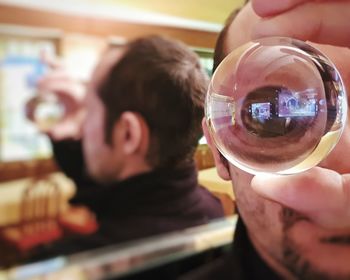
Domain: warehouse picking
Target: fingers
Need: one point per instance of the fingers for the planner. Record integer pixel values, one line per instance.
(321, 22)
(52, 61)
(265, 8)
(60, 83)
(53, 77)
(320, 194)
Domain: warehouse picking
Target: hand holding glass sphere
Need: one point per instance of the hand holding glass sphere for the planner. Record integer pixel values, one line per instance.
(276, 105)
(57, 108)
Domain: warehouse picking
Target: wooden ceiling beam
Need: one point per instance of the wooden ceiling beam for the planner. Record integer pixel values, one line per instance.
(101, 27)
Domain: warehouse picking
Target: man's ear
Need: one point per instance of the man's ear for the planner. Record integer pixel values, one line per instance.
(220, 162)
(131, 134)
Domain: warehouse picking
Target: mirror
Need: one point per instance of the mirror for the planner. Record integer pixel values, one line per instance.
(44, 214)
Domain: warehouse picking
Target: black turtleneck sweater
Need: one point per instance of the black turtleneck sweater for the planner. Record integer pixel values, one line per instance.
(152, 203)
(242, 263)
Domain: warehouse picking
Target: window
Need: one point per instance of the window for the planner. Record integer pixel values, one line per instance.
(20, 66)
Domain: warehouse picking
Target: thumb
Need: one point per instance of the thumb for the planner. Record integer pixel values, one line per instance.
(50, 60)
(322, 195)
(265, 8)
(320, 22)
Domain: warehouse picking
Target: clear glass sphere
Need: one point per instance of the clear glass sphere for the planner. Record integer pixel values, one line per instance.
(276, 105)
(45, 111)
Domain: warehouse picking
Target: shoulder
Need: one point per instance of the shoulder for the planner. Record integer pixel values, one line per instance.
(212, 203)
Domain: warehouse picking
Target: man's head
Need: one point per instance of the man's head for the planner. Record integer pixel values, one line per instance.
(241, 26)
(145, 105)
(285, 239)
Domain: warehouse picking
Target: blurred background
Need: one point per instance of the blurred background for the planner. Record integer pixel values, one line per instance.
(77, 31)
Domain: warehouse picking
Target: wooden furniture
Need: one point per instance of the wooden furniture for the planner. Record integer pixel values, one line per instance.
(36, 211)
(12, 196)
(220, 188)
(203, 157)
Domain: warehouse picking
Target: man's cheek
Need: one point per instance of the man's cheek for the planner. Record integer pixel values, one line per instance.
(249, 202)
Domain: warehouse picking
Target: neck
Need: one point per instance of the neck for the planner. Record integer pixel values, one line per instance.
(132, 169)
(270, 261)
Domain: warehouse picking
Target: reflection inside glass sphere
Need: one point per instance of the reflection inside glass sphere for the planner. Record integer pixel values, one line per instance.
(45, 111)
(276, 105)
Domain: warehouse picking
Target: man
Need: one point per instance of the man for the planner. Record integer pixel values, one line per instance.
(144, 106)
(298, 226)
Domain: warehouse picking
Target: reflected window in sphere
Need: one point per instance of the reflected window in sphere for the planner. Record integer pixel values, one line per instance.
(276, 105)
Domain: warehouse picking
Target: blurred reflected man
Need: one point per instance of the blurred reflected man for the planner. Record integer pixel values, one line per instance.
(140, 124)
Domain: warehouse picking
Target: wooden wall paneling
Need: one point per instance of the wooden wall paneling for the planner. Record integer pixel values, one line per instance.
(101, 27)
(22, 169)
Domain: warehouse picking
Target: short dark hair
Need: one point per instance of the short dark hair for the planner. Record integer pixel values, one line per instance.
(163, 81)
(219, 52)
